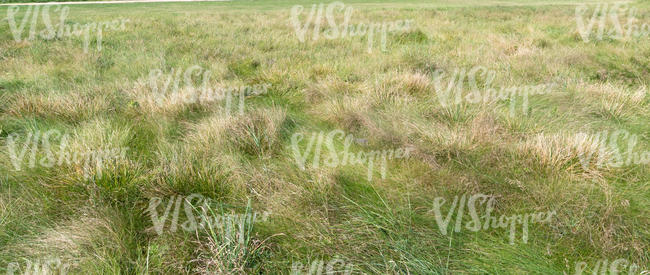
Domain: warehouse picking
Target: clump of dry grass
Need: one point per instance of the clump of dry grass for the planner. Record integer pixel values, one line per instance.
(327, 88)
(71, 106)
(208, 133)
(149, 102)
(415, 84)
(101, 144)
(257, 133)
(207, 95)
(202, 159)
(93, 147)
(614, 100)
(87, 239)
(349, 112)
(481, 131)
(211, 157)
(484, 129)
(97, 133)
(573, 153)
(185, 170)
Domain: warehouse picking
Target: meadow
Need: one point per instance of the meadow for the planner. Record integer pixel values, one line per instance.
(238, 138)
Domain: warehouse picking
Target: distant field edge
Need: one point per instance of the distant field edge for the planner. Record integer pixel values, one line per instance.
(82, 2)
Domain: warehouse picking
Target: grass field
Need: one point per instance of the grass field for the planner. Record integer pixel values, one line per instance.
(64, 105)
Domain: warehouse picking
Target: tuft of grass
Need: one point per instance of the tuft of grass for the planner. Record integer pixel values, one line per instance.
(412, 37)
(245, 68)
(258, 133)
(231, 247)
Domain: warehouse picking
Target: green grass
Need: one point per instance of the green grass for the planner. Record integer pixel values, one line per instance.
(99, 224)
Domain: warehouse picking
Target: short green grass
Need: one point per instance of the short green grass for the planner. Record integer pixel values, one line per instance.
(99, 224)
